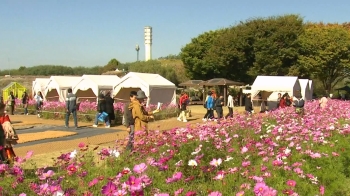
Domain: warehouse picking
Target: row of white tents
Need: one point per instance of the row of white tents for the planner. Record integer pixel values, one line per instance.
(88, 87)
(269, 87)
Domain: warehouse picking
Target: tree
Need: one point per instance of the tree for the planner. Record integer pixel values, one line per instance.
(112, 65)
(193, 56)
(325, 53)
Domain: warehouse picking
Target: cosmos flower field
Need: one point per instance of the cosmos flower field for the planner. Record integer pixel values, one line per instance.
(279, 153)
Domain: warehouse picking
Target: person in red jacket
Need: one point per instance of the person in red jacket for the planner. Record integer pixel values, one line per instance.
(183, 102)
(283, 102)
(8, 135)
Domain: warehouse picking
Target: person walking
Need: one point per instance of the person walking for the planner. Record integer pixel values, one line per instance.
(183, 107)
(71, 108)
(230, 105)
(39, 103)
(209, 104)
(101, 107)
(110, 107)
(218, 106)
(129, 122)
(139, 113)
(248, 104)
(11, 102)
(25, 99)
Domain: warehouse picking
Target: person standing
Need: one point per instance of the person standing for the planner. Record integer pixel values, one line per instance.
(218, 106)
(71, 108)
(129, 121)
(110, 107)
(230, 105)
(183, 107)
(39, 102)
(248, 104)
(139, 113)
(279, 99)
(101, 107)
(11, 102)
(25, 99)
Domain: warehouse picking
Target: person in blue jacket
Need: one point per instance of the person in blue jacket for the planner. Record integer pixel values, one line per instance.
(209, 104)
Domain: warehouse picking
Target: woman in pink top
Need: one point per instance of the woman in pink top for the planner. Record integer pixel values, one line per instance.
(323, 102)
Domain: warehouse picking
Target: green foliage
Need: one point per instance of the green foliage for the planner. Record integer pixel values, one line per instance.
(49, 70)
(325, 53)
(153, 66)
(112, 65)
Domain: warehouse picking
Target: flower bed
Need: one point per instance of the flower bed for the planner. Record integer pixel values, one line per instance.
(87, 110)
(281, 153)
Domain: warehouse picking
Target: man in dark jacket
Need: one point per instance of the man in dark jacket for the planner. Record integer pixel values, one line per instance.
(218, 104)
(101, 108)
(129, 121)
(248, 104)
(110, 108)
(71, 108)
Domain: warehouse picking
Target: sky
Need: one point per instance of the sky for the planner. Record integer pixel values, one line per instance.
(91, 32)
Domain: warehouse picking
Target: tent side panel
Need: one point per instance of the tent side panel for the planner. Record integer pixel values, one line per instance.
(163, 95)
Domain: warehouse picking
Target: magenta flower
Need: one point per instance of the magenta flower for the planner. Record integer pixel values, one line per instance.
(260, 188)
(140, 168)
(46, 175)
(109, 189)
(291, 183)
(93, 182)
(176, 177)
(321, 190)
(134, 184)
(240, 193)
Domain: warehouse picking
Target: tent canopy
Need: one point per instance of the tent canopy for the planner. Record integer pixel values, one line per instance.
(17, 89)
(191, 83)
(156, 87)
(221, 82)
(275, 83)
(305, 89)
(89, 86)
(56, 89)
(39, 84)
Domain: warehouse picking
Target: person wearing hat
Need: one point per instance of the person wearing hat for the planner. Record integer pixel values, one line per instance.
(139, 113)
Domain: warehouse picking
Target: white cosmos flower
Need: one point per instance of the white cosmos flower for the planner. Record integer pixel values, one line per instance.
(192, 162)
(73, 154)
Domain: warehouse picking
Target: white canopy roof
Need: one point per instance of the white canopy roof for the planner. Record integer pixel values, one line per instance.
(275, 83)
(39, 84)
(96, 83)
(61, 84)
(156, 87)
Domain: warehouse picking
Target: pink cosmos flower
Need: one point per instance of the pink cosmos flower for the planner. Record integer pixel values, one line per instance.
(141, 168)
(260, 188)
(46, 175)
(240, 193)
(215, 193)
(134, 184)
(244, 150)
(178, 192)
(93, 182)
(216, 162)
(245, 163)
(322, 190)
(81, 145)
(291, 183)
(109, 189)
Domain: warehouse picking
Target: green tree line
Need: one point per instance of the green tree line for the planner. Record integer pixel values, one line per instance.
(280, 45)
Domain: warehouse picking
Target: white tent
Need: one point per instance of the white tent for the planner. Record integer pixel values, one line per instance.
(156, 87)
(270, 86)
(305, 89)
(39, 84)
(89, 86)
(56, 89)
(311, 89)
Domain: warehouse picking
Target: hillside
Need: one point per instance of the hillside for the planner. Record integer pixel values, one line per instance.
(26, 81)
